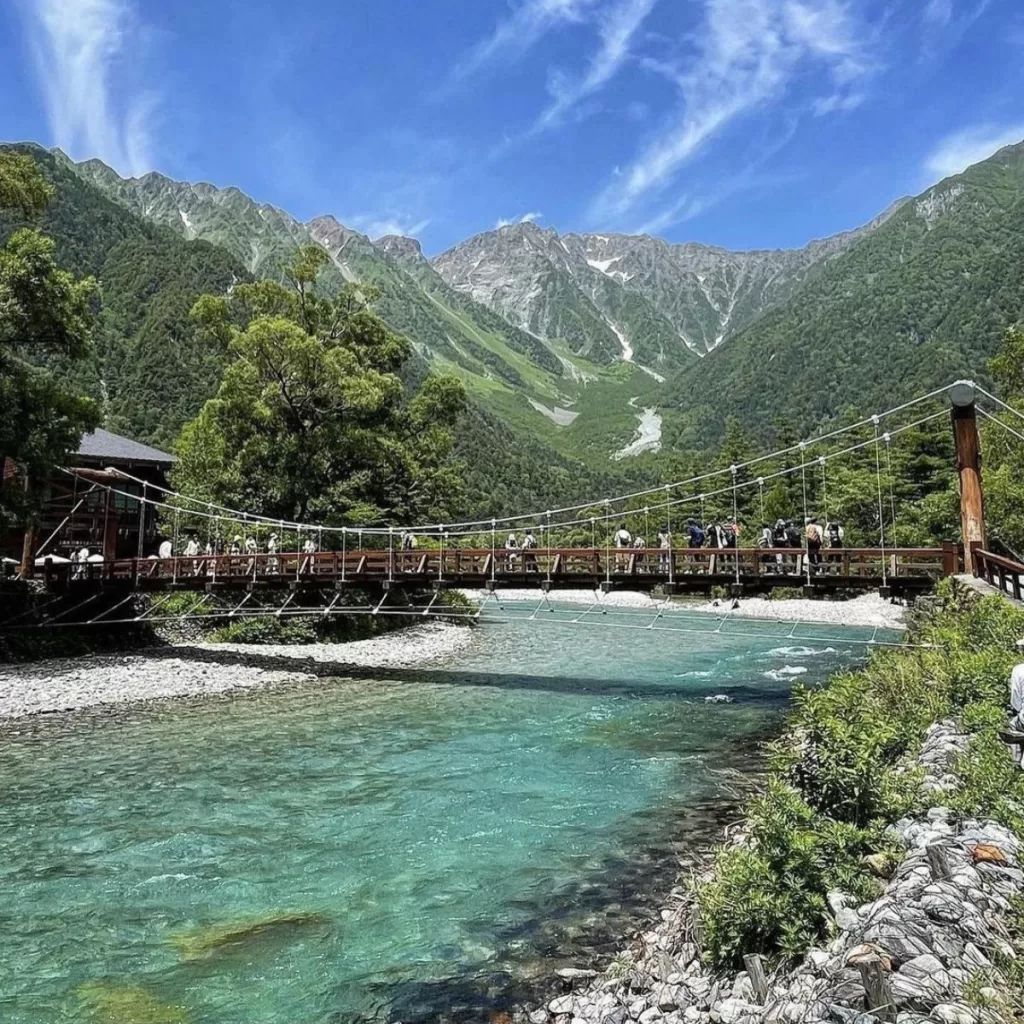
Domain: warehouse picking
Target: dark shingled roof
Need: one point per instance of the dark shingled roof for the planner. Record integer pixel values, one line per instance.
(103, 446)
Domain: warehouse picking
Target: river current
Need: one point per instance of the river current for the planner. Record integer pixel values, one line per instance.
(416, 846)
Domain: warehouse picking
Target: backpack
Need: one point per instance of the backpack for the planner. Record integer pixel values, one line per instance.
(696, 537)
(728, 537)
(792, 537)
(834, 535)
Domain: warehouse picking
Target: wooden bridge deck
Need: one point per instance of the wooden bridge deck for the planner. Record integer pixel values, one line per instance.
(902, 570)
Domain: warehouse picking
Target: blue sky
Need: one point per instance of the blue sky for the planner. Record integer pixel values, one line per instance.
(743, 123)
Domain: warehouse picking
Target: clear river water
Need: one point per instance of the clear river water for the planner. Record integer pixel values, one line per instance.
(414, 846)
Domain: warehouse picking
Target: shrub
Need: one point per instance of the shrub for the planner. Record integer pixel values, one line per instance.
(266, 630)
(839, 776)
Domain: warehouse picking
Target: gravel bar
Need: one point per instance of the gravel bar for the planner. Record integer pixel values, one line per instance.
(864, 610)
(70, 684)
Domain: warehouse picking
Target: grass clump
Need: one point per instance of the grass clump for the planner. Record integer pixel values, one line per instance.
(840, 776)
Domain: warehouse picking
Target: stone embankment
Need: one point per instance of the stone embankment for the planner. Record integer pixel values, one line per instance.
(926, 948)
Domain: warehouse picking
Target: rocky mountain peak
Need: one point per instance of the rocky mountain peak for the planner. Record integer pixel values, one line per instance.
(401, 248)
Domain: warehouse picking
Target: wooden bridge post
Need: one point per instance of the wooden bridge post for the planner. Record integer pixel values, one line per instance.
(968, 466)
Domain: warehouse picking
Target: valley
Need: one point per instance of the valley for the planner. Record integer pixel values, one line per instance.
(590, 350)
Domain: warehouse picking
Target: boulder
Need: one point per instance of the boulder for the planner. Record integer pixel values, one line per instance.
(575, 974)
(818, 959)
(786, 1012)
(953, 1013)
(729, 1011)
(562, 1004)
(637, 1007)
(975, 959)
(651, 1016)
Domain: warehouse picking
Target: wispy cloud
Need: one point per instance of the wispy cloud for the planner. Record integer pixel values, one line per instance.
(617, 27)
(377, 227)
(945, 22)
(517, 34)
(957, 151)
(938, 12)
(745, 54)
(83, 51)
(527, 218)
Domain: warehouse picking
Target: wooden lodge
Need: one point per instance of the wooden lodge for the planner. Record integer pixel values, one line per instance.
(81, 509)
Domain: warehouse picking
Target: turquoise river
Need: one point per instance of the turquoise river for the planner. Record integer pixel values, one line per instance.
(405, 846)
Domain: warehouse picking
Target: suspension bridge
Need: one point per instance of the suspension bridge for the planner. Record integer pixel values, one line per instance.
(312, 568)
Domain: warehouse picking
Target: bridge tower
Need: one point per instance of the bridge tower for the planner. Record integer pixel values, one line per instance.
(968, 466)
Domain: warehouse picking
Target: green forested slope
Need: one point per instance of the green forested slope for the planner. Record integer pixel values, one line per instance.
(923, 299)
(146, 367)
(153, 373)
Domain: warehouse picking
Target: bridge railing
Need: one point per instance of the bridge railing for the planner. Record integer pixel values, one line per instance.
(999, 571)
(474, 566)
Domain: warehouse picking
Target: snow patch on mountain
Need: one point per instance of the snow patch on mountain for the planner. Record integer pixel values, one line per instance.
(190, 230)
(648, 435)
(651, 373)
(562, 417)
(627, 349)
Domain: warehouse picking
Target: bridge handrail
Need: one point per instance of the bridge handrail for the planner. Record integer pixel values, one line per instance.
(998, 570)
(475, 563)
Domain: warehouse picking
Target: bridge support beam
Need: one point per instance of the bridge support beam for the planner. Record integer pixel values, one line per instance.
(968, 466)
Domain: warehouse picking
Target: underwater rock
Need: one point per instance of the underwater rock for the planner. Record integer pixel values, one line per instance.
(203, 942)
(112, 1002)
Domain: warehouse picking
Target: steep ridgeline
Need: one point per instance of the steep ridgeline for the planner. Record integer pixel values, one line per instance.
(921, 300)
(153, 375)
(265, 238)
(628, 296)
(416, 302)
(540, 385)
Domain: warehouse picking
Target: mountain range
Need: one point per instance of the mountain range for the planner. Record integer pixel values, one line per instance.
(583, 349)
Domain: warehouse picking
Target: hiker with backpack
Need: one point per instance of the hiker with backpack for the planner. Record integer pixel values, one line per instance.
(834, 538)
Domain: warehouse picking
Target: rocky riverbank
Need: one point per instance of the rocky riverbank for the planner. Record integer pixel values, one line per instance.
(186, 671)
(932, 940)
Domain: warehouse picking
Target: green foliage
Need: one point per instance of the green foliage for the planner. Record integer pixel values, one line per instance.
(311, 421)
(267, 629)
(921, 300)
(46, 317)
(771, 894)
(22, 188)
(145, 367)
(839, 776)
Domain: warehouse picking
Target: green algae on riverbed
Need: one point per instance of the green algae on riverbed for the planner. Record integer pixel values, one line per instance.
(110, 1002)
(275, 928)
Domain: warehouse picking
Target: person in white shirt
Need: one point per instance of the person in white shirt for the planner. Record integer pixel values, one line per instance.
(665, 544)
(529, 558)
(250, 549)
(623, 539)
(1017, 704)
(511, 546)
